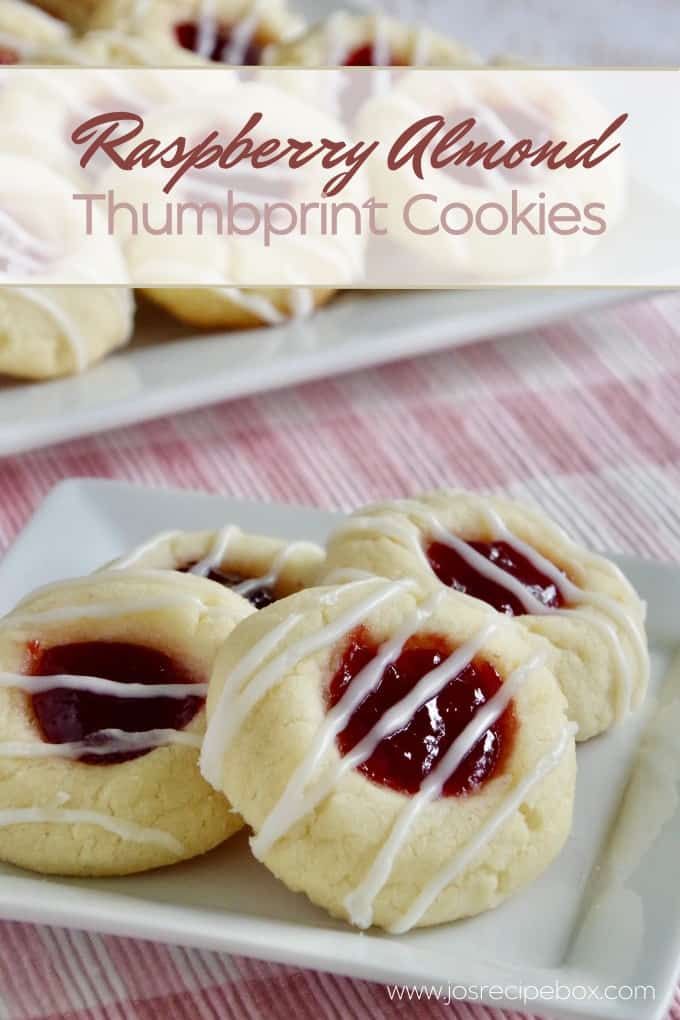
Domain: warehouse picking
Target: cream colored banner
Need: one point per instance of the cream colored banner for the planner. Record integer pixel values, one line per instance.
(362, 178)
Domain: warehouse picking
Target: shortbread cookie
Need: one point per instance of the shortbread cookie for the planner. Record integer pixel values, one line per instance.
(25, 29)
(517, 560)
(259, 568)
(356, 40)
(402, 762)
(217, 271)
(56, 330)
(238, 307)
(112, 48)
(75, 12)
(225, 31)
(469, 221)
(53, 331)
(100, 777)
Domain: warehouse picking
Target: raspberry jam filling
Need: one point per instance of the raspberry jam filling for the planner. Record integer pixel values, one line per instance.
(403, 760)
(258, 597)
(8, 55)
(452, 570)
(187, 34)
(65, 715)
(363, 56)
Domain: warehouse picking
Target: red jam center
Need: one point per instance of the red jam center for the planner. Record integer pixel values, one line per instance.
(64, 715)
(363, 56)
(8, 55)
(403, 760)
(187, 34)
(452, 570)
(258, 597)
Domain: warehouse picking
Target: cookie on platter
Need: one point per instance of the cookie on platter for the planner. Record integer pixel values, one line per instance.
(103, 687)
(402, 761)
(516, 559)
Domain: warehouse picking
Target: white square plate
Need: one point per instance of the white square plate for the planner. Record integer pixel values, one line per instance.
(167, 369)
(606, 913)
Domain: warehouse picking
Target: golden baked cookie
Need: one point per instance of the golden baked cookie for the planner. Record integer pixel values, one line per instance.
(47, 331)
(24, 29)
(360, 40)
(225, 31)
(516, 559)
(238, 307)
(259, 568)
(229, 266)
(402, 761)
(75, 12)
(98, 772)
(466, 219)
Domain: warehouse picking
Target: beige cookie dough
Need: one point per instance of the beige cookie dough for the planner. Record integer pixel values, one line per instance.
(238, 307)
(335, 40)
(598, 636)
(49, 324)
(326, 829)
(60, 815)
(76, 13)
(25, 29)
(255, 566)
(226, 31)
(471, 222)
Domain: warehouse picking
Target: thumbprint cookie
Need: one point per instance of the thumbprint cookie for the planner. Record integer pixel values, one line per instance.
(370, 40)
(222, 31)
(517, 560)
(260, 569)
(76, 13)
(102, 686)
(403, 762)
(54, 330)
(24, 29)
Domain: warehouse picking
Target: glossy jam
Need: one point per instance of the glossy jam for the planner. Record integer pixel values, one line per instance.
(258, 597)
(403, 760)
(65, 715)
(187, 35)
(452, 570)
(362, 56)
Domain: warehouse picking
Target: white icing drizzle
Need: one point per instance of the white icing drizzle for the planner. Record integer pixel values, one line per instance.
(250, 680)
(422, 47)
(301, 302)
(138, 553)
(99, 685)
(381, 54)
(128, 831)
(336, 47)
(206, 36)
(600, 610)
(464, 858)
(76, 341)
(102, 609)
(110, 741)
(241, 37)
(256, 304)
(217, 551)
(359, 903)
(296, 801)
(270, 579)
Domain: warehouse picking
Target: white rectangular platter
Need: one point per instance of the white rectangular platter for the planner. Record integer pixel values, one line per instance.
(606, 913)
(168, 369)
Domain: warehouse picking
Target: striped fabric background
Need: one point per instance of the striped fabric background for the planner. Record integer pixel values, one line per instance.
(582, 417)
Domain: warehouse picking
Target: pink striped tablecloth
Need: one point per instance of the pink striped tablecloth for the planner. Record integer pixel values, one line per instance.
(583, 417)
